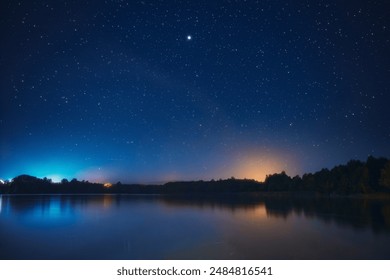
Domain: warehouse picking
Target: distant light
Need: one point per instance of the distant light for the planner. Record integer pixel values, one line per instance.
(107, 185)
(55, 178)
(189, 37)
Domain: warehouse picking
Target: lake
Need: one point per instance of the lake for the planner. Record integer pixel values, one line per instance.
(204, 227)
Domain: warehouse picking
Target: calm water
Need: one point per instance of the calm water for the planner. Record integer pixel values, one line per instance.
(169, 227)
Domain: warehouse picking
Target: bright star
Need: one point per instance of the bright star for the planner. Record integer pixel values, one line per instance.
(189, 37)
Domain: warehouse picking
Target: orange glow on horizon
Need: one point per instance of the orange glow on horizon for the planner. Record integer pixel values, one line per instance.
(257, 165)
(258, 169)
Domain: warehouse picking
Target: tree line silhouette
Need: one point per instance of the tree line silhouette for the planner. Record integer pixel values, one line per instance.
(355, 177)
(352, 178)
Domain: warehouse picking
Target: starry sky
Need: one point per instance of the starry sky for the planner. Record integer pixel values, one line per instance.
(156, 91)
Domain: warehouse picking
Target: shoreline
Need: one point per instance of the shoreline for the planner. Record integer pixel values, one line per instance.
(193, 195)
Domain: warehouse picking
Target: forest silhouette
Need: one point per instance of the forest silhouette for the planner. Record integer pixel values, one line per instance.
(355, 177)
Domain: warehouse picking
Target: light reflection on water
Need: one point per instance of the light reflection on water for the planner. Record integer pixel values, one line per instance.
(171, 227)
(49, 210)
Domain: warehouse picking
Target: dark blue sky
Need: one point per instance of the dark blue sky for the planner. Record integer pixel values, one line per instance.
(117, 90)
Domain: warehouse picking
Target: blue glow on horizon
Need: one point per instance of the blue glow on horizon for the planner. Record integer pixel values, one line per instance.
(55, 169)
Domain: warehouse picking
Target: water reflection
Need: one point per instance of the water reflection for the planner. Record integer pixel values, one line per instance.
(351, 212)
(354, 213)
(184, 227)
(49, 210)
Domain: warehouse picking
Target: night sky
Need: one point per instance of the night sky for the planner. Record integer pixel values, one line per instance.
(156, 91)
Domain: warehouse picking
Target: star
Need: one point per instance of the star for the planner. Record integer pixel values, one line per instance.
(150, 92)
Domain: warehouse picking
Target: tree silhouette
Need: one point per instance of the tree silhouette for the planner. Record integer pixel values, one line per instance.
(384, 180)
(352, 178)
